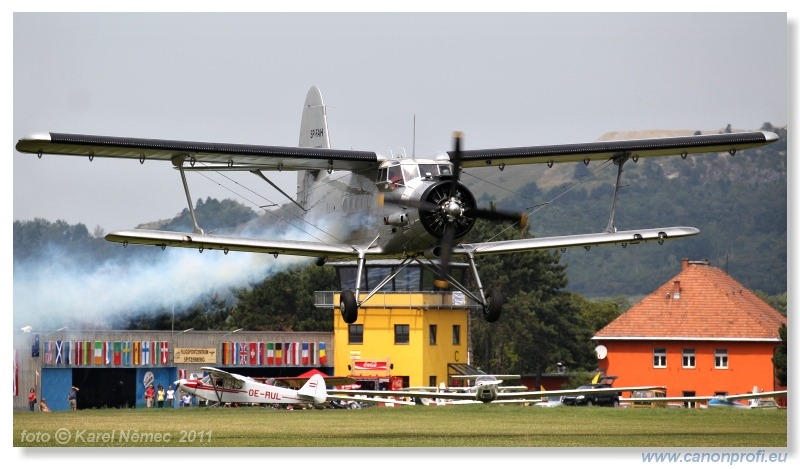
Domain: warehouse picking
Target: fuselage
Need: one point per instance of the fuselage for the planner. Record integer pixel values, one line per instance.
(400, 208)
(241, 392)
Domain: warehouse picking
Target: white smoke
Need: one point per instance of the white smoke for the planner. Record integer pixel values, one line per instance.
(59, 288)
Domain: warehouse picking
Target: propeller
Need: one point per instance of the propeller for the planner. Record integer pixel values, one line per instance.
(454, 209)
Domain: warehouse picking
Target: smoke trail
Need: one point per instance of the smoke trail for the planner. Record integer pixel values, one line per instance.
(60, 286)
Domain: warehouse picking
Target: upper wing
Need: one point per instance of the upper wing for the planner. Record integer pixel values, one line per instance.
(586, 240)
(247, 157)
(230, 156)
(594, 151)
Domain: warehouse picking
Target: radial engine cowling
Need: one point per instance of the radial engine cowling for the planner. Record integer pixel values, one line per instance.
(437, 209)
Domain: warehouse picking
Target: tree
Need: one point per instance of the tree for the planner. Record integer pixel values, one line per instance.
(779, 359)
(540, 324)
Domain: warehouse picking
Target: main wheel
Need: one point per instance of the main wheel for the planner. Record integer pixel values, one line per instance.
(348, 306)
(494, 305)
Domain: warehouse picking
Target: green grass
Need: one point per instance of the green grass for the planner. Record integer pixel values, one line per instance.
(451, 426)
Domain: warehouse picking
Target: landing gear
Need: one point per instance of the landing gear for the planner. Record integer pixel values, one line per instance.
(493, 306)
(348, 306)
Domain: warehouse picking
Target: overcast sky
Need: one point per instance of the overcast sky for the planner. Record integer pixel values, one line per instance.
(503, 79)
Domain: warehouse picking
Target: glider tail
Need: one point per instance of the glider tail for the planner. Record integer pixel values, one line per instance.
(314, 389)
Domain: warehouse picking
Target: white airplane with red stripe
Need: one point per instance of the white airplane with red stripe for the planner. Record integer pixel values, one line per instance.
(224, 387)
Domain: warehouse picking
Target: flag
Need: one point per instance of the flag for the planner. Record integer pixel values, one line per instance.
(108, 349)
(35, 345)
(164, 352)
(145, 353)
(225, 354)
(243, 354)
(154, 353)
(78, 346)
(98, 352)
(260, 354)
(126, 353)
(312, 352)
(137, 352)
(117, 353)
(323, 358)
(87, 346)
(270, 353)
(305, 353)
(278, 354)
(253, 351)
(67, 353)
(287, 353)
(48, 353)
(296, 353)
(59, 351)
(235, 353)
(182, 373)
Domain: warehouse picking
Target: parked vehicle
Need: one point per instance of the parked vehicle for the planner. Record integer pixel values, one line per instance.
(650, 393)
(610, 398)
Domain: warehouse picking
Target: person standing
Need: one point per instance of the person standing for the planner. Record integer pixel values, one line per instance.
(170, 397)
(73, 398)
(32, 399)
(161, 395)
(149, 394)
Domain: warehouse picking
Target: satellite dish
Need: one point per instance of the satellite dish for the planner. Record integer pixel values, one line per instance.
(601, 351)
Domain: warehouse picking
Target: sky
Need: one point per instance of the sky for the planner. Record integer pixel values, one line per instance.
(390, 81)
(502, 79)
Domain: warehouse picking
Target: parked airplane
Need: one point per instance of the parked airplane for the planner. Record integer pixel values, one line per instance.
(729, 400)
(374, 206)
(224, 387)
(485, 389)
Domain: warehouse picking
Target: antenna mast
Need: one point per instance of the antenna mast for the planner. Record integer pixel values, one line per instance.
(414, 139)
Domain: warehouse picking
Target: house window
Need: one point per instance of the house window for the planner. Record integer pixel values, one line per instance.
(355, 334)
(456, 334)
(688, 358)
(401, 333)
(721, 358)
(432, 334)
(659, 358)
(432, 381)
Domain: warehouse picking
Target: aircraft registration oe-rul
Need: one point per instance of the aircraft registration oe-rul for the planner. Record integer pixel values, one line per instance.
(375, 206)
(224, 387)
(485, 389)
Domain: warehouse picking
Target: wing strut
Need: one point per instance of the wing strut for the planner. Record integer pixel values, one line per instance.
(619, 161)
(178, 163)
(261, 175)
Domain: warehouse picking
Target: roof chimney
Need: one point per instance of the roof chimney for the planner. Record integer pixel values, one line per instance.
(676, 290)
(684, 263)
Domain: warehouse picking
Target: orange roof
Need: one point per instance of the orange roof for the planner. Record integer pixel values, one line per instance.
(701, 302)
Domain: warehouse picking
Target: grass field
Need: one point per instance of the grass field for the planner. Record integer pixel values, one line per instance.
(451, 426)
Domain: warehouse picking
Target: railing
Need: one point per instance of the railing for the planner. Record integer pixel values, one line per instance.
(421, 300)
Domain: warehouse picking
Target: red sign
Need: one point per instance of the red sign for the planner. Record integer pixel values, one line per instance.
(371, 366)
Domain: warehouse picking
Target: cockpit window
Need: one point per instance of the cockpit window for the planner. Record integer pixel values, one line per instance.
(395, 175)
(444, 170)
(428, 170)
(410, 171)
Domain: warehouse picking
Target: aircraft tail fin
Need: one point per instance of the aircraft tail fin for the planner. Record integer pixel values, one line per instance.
(314, 389)
(314, 124)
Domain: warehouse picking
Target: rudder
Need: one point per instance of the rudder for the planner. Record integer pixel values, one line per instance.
(314, 123)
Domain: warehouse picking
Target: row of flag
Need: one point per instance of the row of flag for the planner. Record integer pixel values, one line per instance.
(274, 353)
(113, 353)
